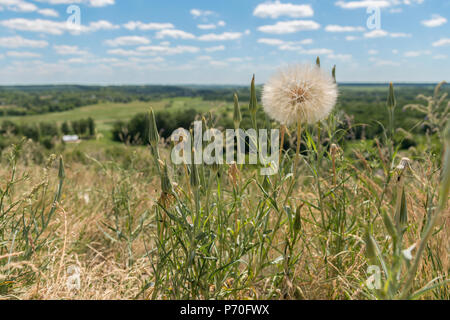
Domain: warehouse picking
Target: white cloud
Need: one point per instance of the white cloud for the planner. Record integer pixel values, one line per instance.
(221, 37)
(376, 34)
(92, 3)
(399, 35)
(125, 53)
(101, 25)
(435, 21)
(127, 41)
(18, 41)
(201, 13)
(210, 26)
(363, 4)
(342, 57)
(69, 50)
(336, 28)
(381, 62)
(320, 51)
(133, 25)
(55, 27)
(206, 26)
(168, 50)
(414, 54)
(382, 33)
(376, 3)
(277, 9)
(216, 48)
(297, 46)
(22, 54)
(373, 52)
(48, 12)
(286, 45)
(442, 42)
(440, 57)
(18, 5)
(101, 3)
(271, 42)
(174, 33)
(351, 38)
(292, 26)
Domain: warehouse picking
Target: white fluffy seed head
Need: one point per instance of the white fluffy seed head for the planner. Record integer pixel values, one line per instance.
(302, 93)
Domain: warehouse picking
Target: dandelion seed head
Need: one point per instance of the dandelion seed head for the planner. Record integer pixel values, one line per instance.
(404, 163)
(302, 93)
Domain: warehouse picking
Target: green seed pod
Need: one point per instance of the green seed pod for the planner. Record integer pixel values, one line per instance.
(389, 224)
(253, 101)
(153, 135)
(403, 211)
(237, 116)
(166, 184)
(61, 172)
(267, 186)
(391, 98)
(298, 219)
(370, 246)
(445, 184)
(333, 73)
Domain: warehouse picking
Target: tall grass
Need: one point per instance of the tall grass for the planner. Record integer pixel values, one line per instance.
(144, 228)
(236, 232)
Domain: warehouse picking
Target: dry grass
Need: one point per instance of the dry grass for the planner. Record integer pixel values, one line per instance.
(79, 237)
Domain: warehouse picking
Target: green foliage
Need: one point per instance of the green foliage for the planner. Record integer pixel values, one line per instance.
(24, 221)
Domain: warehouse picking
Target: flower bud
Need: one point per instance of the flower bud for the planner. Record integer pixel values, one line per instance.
(237, 116)
(153, 135)
(253, 101)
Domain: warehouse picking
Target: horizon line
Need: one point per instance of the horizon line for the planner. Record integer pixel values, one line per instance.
(211, 85)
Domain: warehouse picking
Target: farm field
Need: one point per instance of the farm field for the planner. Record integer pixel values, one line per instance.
(105, 114)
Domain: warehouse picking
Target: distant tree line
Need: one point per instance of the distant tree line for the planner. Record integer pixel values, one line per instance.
(46, 132)
(29, 100)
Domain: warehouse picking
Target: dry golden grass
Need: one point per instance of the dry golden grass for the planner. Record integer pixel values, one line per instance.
(77, 235)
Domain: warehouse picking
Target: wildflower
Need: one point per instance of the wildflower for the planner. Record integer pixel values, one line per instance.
(299, 93)
(404, 163)
(407, 253)
(73, 278)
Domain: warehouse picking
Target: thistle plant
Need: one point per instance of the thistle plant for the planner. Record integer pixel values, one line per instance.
(400, 266)
(435, 111)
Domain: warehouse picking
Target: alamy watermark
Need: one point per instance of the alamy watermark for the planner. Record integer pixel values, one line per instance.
(374, 281)
(75, 16)
(374, 20)
(235, 146)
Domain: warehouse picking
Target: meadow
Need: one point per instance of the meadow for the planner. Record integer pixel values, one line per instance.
(357, 209)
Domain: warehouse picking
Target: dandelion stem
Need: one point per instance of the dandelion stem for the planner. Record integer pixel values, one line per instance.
(283, 132)
(299, 142)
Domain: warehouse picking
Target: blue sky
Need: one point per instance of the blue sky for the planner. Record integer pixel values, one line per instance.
(220, 41)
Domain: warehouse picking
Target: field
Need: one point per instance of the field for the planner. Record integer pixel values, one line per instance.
(106, 113)
(357, 211)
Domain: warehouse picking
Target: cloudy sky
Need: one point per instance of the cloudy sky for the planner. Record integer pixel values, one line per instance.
(220, 41)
